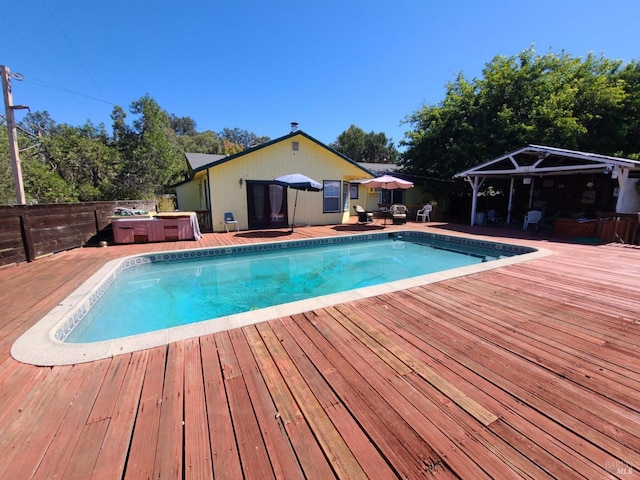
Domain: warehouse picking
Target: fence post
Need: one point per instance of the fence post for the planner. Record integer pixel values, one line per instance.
(27, 239)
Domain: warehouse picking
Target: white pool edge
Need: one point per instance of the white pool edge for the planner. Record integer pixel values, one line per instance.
(38, 345)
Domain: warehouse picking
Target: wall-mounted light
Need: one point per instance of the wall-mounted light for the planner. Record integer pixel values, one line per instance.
(240, 181)
(526, 180)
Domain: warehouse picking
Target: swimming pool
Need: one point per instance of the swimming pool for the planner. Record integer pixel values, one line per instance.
(309, 273)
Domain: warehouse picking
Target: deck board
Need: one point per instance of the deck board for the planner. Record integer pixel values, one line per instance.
(530, 370)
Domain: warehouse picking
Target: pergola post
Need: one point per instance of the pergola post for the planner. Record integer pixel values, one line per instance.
(511, 185)
(475, 185)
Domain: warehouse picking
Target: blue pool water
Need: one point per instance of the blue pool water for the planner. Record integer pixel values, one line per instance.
(159, 295)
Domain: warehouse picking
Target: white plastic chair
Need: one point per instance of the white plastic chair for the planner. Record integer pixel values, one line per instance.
(229, 220)
(532, 218)
(424, 213)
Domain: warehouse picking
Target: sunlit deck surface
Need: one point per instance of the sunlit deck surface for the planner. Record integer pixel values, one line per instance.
(531, 370)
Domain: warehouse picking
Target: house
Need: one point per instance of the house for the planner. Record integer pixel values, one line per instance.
(243, 184)
(560, 182)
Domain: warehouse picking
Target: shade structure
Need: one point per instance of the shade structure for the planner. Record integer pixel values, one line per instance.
(298, 182)
(387, 182)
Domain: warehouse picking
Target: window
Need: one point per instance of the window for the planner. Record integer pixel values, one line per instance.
(295, 146)
(331, 196)
(345, 196)
(354, 189)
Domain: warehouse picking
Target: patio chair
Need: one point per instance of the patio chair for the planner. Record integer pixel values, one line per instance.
(398, 213)
(229, 220)
(532, 218)
(363, 215)
(424, 214)
(493, 218)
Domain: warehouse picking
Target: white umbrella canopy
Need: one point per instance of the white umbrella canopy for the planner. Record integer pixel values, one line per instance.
(387, 182)
(298, 182)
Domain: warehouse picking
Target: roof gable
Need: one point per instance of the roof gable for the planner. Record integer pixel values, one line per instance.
(539, 159)
(223, 159)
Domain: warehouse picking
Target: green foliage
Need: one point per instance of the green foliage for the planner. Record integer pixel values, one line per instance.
(365, 147)
(242, 138)
(7, 190)
(64, 163)
(588, 104)
(154, 160)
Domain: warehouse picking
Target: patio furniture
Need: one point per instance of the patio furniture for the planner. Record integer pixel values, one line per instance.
(424, 214)
(363, 215)
(493, 218)
(532, 218)
(229, 220)
(398, 214)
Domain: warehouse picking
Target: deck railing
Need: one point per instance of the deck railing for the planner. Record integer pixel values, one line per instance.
(618, 227)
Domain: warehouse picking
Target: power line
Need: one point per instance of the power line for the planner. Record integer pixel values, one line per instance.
(64, 35)
(45, 84)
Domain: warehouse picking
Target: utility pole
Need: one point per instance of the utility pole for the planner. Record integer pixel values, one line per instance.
(13, 135)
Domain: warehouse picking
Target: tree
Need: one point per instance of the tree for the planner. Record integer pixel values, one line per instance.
(205, 142)
(243, 138)
(137, 160)
(553, 99)
(7, 188)
(83, 158)
(365, 147)
(183, 125)
(151, 157)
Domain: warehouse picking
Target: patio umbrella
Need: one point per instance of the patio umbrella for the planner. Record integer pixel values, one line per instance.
(387, 182)
(298, 182)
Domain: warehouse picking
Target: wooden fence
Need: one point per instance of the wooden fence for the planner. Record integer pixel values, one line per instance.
(28, 232)
(618, 227)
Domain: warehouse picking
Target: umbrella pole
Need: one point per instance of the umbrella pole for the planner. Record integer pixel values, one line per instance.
(295, 204)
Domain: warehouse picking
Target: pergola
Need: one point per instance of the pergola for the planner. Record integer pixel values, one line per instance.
(536, 161)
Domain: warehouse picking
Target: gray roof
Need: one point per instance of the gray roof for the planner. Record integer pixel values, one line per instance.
(197, 160)
(380, 168)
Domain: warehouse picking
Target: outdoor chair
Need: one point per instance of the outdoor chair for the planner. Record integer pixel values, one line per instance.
(229, 220)
(493, 218)
(398, 213)
(532, 218)
(363, 215)
(424, 214)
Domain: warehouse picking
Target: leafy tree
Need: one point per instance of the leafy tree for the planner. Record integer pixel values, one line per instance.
(83, 158)
(151, 157)
(553, 99)
(365, 147)
(243, 138)
(137, 160)
(205, 142)
(183, 125)
(7, 189)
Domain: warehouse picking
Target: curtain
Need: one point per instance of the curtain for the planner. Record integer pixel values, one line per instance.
(276, 192)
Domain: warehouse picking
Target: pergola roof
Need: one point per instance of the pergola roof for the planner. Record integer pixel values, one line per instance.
(538, 160)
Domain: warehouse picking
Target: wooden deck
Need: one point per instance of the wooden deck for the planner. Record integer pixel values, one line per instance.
(528, 371)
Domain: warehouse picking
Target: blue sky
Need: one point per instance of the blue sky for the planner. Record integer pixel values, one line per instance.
(259, 65)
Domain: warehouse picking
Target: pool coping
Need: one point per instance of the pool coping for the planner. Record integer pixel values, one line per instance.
(39, 345)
